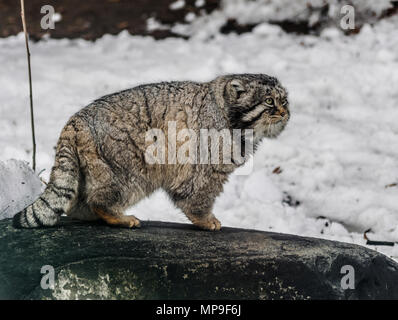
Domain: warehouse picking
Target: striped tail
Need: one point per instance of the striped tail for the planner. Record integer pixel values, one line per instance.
(60, 194)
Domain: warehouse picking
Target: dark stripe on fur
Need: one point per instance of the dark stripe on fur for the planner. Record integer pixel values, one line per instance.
(63, 195)
(36, 217)
(236, 114)
(55, 210)
(25, 218)
(248, 124)
(16, 221)
(246, 111)
(63, 169)
(63, 188)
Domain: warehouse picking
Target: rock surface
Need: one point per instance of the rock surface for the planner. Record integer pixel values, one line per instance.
(177, 261)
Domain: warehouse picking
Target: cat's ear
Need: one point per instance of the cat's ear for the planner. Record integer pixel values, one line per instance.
(236, 88)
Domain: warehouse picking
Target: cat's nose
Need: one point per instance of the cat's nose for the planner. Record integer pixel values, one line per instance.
(282, 113)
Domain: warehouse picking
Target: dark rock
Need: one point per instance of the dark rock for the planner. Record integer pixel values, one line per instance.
(178, 261)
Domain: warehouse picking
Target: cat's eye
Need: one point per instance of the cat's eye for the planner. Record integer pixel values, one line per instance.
(269, 101)
(284, 102)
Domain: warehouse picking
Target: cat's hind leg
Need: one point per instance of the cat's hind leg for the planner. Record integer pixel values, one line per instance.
(197, 206)
(81, 211)
(108, 203)
(116, 220)
(107, 194)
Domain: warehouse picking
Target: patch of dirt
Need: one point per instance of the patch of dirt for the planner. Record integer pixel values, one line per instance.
(90, 19)
(304, 26)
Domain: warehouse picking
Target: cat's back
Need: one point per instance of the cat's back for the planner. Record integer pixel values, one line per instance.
(150, 98)
(132, 112)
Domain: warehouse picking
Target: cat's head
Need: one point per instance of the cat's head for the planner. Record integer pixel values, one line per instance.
(256, 101)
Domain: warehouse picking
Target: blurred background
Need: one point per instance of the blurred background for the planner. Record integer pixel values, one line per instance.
(90, 19)
(333, 172)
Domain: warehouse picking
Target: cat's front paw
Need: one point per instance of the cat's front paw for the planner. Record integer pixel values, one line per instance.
(208, 223)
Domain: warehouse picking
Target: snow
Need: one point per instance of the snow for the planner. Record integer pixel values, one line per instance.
(199, 3)
(19, 187)
(153, 24)
(337, 155)
(256, 11)
(265, 11)
(179, 4)
(57, 17)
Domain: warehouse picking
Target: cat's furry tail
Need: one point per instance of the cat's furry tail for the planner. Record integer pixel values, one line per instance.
(61, 192)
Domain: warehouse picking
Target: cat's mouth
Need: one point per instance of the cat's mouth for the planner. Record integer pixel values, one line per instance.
(273, 130)
(280, 121)
(283, 120)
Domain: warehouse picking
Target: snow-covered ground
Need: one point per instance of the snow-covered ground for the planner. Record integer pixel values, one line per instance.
(264, 11)
(337, 155)
(19, 187)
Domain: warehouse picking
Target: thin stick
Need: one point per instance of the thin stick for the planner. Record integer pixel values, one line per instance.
(32, 122)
